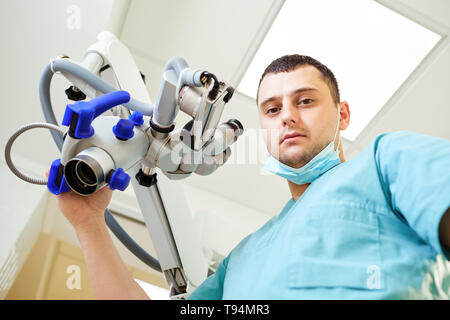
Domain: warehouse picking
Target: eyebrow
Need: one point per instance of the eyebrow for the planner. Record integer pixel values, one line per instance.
(297, 91)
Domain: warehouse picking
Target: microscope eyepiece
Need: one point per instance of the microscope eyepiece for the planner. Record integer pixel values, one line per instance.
(88, 171)
(85, 173)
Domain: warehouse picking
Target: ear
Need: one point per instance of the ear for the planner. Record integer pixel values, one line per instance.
(345, 115)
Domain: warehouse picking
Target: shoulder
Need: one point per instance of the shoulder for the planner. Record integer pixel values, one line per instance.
(393, 144)
(395, 138)
(405, 138)
(398, 154)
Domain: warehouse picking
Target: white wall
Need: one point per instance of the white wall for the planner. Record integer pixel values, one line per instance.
(20, 223)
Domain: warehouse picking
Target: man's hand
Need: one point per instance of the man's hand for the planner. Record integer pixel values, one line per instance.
(82, 211)
(108, 273)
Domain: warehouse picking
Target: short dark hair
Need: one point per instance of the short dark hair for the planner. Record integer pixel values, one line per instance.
(289, 63)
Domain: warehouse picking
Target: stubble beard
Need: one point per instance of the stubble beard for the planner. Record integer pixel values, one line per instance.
(302, 157)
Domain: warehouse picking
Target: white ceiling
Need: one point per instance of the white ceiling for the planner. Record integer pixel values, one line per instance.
(218, 36)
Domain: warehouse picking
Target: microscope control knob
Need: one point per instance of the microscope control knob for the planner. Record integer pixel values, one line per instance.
(119, 180)
(124, 129)
(74, 94)
(146, 180)
(137, 118)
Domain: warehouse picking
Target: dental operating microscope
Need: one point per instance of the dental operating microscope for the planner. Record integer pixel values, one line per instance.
(114, 135)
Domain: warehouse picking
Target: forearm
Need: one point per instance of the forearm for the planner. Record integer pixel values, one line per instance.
(109, 276)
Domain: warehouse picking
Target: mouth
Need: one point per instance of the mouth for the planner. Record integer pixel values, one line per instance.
(291, 137)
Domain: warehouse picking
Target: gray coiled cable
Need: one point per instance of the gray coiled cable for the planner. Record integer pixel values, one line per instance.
(13, 138)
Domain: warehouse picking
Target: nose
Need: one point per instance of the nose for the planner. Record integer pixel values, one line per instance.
(289, 114)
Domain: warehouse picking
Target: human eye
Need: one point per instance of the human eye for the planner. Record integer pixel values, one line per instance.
(305, 101)
(272, 110)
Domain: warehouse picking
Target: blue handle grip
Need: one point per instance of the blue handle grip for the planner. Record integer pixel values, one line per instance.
(79, 116)
(119, 180)
(56, 182)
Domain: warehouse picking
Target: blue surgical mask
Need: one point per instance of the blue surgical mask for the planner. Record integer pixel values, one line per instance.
(321, 163)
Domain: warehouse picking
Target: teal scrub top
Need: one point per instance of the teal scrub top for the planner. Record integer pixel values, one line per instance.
(362, 230)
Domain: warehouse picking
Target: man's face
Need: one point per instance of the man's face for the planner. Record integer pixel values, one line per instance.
(300, 103)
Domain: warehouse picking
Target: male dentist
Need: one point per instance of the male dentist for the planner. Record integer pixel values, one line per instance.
(358, 229)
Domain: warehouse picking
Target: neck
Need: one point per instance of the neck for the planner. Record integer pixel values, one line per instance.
(298, 190)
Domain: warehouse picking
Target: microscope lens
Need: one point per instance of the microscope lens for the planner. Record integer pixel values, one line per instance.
(85, 174)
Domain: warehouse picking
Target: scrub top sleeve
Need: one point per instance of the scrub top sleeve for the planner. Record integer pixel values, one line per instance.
(415, 173)
(212, 287)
